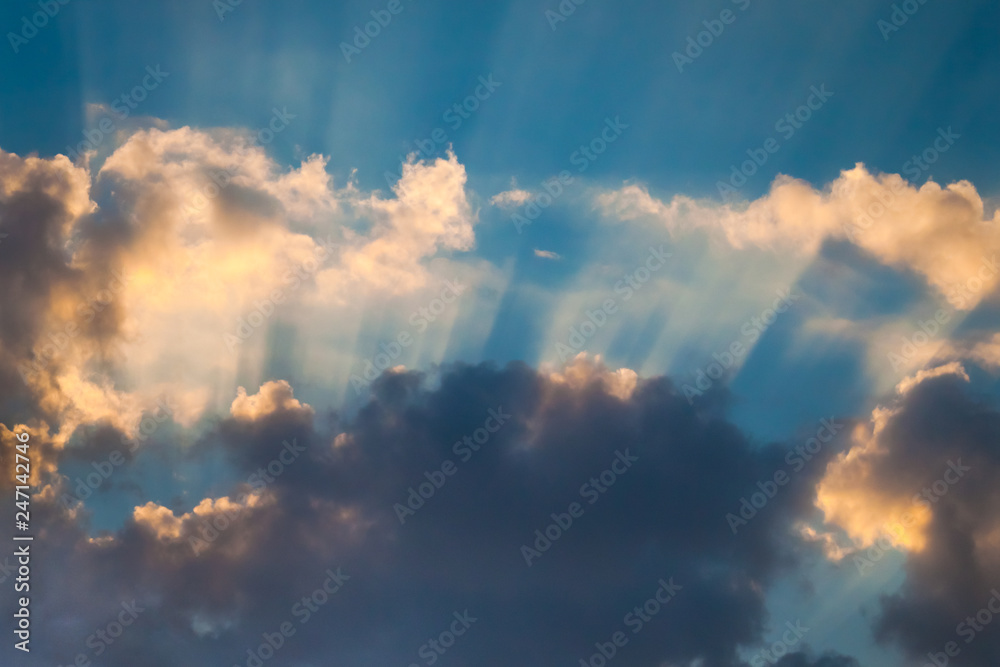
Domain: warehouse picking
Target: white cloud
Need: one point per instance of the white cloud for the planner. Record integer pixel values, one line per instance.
(273, 396)
(940, 233)
(952, 368)
(511, 198)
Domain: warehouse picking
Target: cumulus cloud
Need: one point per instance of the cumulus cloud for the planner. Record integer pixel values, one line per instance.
(106, 309)
(988, 352)
(44, 454)
(582, 371)
(198, 525)
(39, 284)
(924, 479)
(273, 396)
(430, 213)
(938, 232)
(259, 550)
(952, 368)
(200, 232)
(985, 352)
(854, 498)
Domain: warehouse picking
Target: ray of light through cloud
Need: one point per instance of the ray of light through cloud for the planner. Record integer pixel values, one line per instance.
(560, 333)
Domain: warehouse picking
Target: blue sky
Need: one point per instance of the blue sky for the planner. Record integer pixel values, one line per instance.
(839, 222)
(558, 86)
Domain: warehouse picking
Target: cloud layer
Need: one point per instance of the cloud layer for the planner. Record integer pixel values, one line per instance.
(214, 578)
(940, 233)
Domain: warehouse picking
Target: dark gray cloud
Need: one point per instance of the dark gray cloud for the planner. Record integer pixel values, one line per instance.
(955, 576)
(826, 660)
(58, 278)
(661, 522)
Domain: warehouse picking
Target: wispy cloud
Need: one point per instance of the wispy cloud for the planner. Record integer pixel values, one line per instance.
(547, 254)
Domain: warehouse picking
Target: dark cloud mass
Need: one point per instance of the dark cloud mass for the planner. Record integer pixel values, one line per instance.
(660, 522)
(828, 660)
(957, 575)
(553, 507)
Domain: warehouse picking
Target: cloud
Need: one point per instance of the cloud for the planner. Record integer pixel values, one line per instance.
(582, 372)
(44, 454)
(273, 397)
(925, 479)
(200, 524)
(511, 199)
(852, 496)
(39, 202)
(952, 368)
(827, 660)
(335, 506)
(986, 352)
(938, 232)
(201, 232)
(547, 254)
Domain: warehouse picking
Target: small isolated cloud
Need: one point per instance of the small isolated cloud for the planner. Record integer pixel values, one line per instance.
(511, 198)
(273, 396)
(547, 254)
